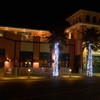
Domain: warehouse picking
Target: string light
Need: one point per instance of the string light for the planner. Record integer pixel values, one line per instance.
(55, 69)
(89, 62)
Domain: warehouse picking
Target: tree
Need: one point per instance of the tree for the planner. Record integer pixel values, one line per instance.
(91, 36)
(91, 41)
(57, 38)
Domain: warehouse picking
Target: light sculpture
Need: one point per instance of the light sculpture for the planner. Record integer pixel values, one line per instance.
(89, 62)
(56, 52)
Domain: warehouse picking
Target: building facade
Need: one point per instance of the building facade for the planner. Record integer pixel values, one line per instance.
(25, 48)
(80, 21)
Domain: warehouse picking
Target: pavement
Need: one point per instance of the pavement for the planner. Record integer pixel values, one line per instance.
(22, 77)
(72, 75)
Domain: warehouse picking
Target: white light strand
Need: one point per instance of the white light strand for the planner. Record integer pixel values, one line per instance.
(89, 62)
(55, 69)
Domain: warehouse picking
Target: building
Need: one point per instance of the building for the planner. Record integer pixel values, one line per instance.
(79, 21)
(25, 48)
(29, 48)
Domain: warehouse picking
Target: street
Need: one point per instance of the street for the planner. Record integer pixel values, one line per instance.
(50, 88)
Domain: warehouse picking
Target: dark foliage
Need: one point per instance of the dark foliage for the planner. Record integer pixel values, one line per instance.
(91, 36)
(57, 35)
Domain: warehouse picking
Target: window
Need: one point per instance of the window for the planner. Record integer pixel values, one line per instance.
(46, 59)
(73, 21)
(94, 19)
(69, 37)
(26, 59)
(72, 36)
(87, 18)
(1, 33)
(96, 61)
(45, 56)
(80, 19)
(77, 20)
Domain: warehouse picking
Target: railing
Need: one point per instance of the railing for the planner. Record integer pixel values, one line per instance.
(41, 71)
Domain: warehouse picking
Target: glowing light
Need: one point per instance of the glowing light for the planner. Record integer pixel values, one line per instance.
(7, 64)
(29, 70)
(6, 28)
(70, 70)
(89, 62)
(55, 69)
(24, 30)
(36, 64)
(30, 64)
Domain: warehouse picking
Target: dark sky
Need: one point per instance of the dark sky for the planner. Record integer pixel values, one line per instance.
(41, 14)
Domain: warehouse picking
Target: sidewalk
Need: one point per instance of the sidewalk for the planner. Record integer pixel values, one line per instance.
(74, 75)
(21, 77)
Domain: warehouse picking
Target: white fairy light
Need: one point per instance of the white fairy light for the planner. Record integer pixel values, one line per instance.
(89, 62)
(55, 69)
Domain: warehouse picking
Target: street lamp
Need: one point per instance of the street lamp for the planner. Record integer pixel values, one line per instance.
(29, 70)
(70, 72)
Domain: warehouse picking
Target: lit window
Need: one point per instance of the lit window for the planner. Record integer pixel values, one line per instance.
(1, 35)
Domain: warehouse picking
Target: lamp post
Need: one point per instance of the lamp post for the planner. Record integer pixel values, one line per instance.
(29, 70)
(70, 73)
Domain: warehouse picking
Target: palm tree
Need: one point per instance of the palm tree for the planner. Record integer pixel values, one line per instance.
(91, 41)
(91, 36)
(57, 38)
(57, 35)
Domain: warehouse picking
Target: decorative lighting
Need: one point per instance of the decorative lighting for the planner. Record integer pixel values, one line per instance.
(29, 70)
(89, 62)
(7, 64)
(24, 30)
(6, 28)
(55, 69)
(35, 64)
(70, 72)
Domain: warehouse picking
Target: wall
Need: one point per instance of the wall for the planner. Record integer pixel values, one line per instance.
(26, 46)
(8, 45)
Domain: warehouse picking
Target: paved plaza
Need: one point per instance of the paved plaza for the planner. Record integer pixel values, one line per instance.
(68, 76)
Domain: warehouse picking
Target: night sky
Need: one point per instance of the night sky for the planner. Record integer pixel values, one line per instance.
(41, 14)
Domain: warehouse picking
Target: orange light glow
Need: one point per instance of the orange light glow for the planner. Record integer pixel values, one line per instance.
(36, 65)
(7, 64)
(53, 58)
